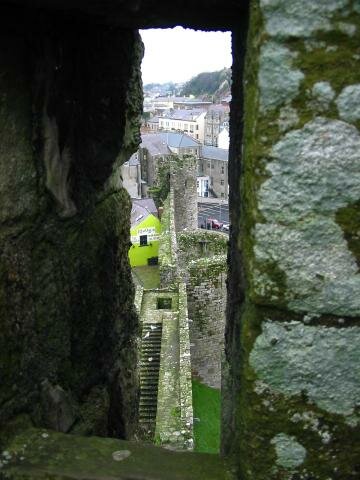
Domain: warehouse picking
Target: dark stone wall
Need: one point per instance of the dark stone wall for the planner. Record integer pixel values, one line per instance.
(70, 99)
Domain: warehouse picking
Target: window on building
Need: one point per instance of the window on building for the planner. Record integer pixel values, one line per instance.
(222, 195)
(197, 127)
(143, 240)
(222, 182)
(197, 136)
(191, 128)
(209, 165)
(223, 170)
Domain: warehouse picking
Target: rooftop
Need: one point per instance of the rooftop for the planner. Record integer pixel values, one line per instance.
(176, 140)
(181, 114)
(155, 144)
(141, 209)
(214, 153)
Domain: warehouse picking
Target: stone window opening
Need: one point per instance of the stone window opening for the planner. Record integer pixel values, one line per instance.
(164, 303)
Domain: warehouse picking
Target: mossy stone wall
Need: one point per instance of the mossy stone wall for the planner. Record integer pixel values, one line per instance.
(70, 102)
(294, 367)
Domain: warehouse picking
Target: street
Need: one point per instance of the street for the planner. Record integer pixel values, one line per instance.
(218, 211)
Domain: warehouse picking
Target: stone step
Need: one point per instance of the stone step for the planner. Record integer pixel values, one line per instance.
(148, 401)
(148, 393)
(148, 411)
(152, 365)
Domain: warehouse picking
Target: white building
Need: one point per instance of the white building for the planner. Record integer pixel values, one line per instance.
(202, 184)
(224, 139)
(191, 122)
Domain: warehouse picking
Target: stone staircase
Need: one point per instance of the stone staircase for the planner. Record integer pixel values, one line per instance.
(149, 376)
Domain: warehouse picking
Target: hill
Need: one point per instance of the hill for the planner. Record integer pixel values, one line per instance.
(209, 85)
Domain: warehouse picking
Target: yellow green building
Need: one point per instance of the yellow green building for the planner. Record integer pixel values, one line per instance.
(145, 232)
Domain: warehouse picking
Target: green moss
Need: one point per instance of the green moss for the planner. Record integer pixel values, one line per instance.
(206, 404)
(269, 285)
(262, 414)
(349, 220)
(148, 276)
(40, 454)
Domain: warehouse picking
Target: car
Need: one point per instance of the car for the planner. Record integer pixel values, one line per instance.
(213, 223)
(226, 227)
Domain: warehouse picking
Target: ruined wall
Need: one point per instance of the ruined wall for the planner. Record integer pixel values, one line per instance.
(293, 384)
(200, 243)
(70, 100)
(206, 289)
(183, 170)
(168, 249)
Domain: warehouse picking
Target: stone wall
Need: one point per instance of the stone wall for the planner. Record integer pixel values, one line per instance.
(206, 290)
(200, 243)
(168, 250)
(294, 291)
(186, 403)
(69, 115)
(183, 172)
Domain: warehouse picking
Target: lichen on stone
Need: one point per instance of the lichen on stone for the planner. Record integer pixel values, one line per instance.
(348, 103)
(322, 94)
(347, 28)
(290, 453)
(278, 80)
(314, 173)
(299, 18)
(319, 362)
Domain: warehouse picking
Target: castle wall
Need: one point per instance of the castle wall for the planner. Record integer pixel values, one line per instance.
(294, 286)
(69, 115)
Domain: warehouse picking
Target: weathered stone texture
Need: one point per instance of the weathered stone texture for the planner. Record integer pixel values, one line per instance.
(183, 180)
(66, 310)
(295, 335)
(206, 301)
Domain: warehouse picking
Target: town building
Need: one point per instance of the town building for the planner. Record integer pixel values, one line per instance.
(191, 122)
(131, 176)
(216, 118)
(224, 138)
(145, 232)
(212, 162)
(213, 172)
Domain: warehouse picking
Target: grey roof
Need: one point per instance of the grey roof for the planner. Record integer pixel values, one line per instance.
(192, 101)
(155, 144)
(159, 143)
(153, 120)
(147, 203)
(187, 115)
(214, 153)
(176, 140)
(163, 98)
(219, 108)
(139, 211)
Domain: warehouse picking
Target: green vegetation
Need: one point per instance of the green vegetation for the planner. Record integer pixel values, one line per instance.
(44, 454)
(147, 276)
(206, 403)
(209, 84)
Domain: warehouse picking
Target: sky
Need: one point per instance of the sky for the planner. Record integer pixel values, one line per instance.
(177, 54)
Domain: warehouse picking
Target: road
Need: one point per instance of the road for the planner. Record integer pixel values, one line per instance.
(218, 211)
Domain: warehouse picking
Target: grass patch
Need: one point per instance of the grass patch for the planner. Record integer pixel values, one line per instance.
(206, 404)
(147, 276)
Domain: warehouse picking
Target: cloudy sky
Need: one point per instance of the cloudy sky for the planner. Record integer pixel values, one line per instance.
(177, 54)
